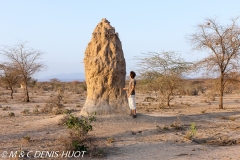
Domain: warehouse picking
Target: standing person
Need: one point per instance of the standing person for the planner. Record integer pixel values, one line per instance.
(131, 94)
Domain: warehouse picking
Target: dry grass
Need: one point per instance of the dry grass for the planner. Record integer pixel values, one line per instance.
(177, 124)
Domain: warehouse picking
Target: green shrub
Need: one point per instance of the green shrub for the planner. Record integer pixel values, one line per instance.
(79, 127)
(79, 146)
(192, 131)
(110, 140)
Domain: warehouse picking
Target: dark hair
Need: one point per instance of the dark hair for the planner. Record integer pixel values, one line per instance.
(132, 74)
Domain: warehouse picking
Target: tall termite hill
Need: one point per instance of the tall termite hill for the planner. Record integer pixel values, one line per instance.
(105, 71)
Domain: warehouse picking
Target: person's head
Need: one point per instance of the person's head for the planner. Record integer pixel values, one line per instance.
(132, 74)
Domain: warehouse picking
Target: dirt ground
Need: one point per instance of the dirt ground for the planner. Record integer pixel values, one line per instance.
(155, 133)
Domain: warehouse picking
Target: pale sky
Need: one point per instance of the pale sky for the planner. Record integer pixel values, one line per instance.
(63, 28)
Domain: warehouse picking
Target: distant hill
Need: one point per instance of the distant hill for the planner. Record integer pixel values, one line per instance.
(65, 77)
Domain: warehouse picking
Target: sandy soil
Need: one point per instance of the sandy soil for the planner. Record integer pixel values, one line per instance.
(154, 134)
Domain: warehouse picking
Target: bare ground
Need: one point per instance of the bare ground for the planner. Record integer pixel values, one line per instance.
(154, 134)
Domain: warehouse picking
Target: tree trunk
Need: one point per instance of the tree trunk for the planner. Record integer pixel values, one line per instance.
(169, 96)
(221, 92)
(168, 100)
(168, 103)
(26, 99)
(11, 92)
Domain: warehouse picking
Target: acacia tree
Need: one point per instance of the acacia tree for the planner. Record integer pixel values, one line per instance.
(222, 44)
(25, 62)
(9, 76)
(163, 72)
